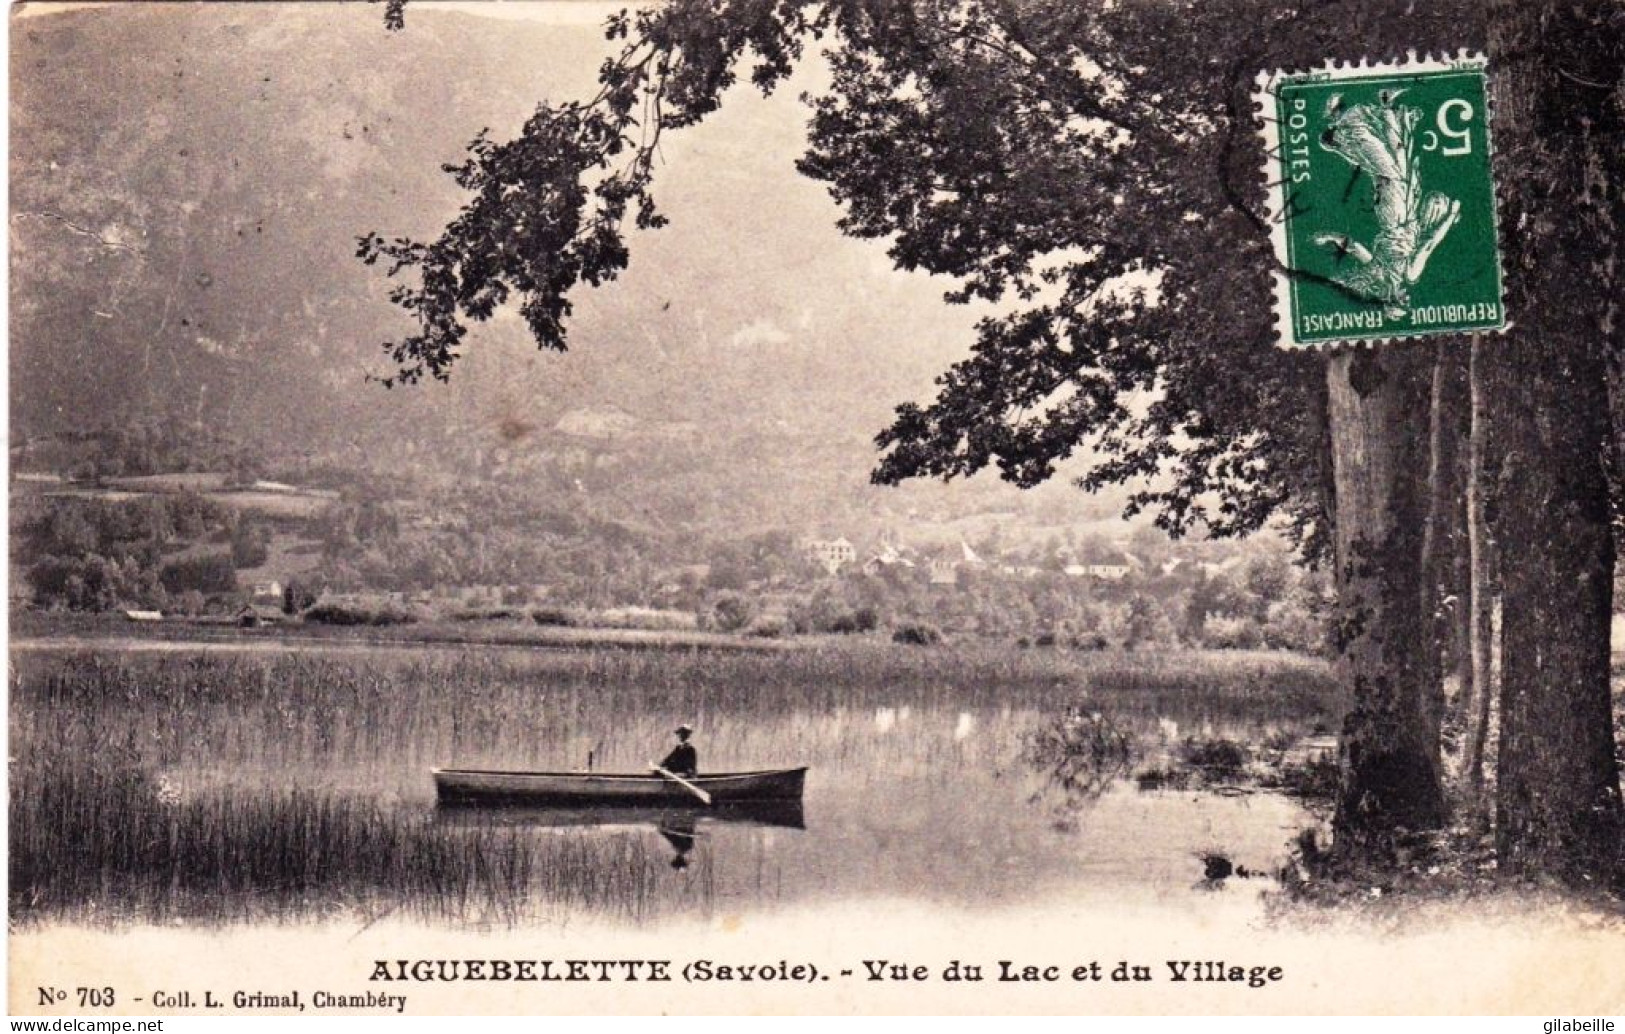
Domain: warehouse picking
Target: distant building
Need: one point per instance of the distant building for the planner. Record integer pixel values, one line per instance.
(1105, 565)
(144, 615)
(1213, 570)
(1021, 570)
(251, 616)
(831, 554)
(1104, 572)
(944, 571)
(886, 558)
(266, 591)
(1111, 572)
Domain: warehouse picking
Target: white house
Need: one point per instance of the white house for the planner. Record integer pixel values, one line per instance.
(831, 554)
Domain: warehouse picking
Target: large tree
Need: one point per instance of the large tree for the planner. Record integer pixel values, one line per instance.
(1561, 141)
(1391, 783)
(1092, 169)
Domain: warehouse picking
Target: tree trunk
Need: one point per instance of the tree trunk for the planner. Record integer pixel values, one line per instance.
(1481, 579)
(1390, 780)
(1461, 574)
(1559, 138)
(1439, 535)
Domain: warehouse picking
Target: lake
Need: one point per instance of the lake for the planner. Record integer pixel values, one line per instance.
(214, 789)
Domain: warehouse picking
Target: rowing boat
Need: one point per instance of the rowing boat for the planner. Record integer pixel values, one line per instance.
(469, 785)
(478, 815)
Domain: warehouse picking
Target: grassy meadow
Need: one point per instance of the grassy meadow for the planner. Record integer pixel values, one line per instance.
(218, 788)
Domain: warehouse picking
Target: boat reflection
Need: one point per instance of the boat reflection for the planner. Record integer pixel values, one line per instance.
(679, 825)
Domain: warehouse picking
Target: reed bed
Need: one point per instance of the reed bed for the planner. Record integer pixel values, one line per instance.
(94, 842)
(226, 788)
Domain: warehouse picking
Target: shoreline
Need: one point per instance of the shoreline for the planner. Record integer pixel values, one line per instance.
(41, 632)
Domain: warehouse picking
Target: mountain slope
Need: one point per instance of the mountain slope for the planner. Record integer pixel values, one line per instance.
(188, 182)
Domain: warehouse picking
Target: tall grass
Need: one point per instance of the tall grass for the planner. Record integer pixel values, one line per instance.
(220, 788)
(93, 841)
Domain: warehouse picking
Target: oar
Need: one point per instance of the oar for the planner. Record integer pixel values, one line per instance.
(680, 781)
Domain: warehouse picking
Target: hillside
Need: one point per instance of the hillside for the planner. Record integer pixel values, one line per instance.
(188, 184)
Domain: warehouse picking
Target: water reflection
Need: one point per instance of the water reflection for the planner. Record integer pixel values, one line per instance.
(679, 826)
(1081, 754)
(679, 831)
(965, 726)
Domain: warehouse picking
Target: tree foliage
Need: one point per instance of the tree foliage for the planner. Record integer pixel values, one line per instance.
(209, 573)
(1089, 167)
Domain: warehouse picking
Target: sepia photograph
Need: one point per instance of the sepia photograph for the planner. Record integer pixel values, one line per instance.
(803, 507)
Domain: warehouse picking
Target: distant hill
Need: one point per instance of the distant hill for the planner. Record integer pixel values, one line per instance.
(188, 181)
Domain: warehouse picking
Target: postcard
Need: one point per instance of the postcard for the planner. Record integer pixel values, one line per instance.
(724, 508)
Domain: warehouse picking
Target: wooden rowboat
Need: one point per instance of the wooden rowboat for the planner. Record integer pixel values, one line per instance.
(470, 786)
(780, 814)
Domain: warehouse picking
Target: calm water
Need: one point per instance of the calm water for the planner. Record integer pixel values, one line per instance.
(932, 786)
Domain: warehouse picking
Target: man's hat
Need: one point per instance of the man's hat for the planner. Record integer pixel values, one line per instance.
(684, 730)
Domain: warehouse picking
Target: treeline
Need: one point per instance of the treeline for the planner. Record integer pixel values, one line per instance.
(489, 535)
(158, 552)
(183, 552)
(1267, 603)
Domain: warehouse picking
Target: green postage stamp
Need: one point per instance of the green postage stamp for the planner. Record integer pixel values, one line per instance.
(1381, 202)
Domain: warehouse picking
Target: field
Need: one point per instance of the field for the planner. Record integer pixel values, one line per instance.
(224, 788)
(289, 504)
(282, 505)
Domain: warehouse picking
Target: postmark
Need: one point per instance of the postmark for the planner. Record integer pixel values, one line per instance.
(1381, 201)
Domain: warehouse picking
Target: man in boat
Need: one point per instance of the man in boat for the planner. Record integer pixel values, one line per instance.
(683, 760)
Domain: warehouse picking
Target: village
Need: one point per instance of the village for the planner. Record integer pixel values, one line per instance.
(215, 549)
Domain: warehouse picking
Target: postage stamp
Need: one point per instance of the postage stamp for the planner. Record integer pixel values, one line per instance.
(1382, 204)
